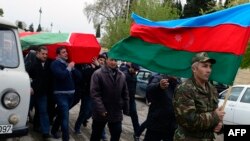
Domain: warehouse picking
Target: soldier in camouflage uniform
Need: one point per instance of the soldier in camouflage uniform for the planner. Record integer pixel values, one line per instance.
(196, 104)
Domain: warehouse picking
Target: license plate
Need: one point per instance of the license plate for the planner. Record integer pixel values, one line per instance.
(6, 129)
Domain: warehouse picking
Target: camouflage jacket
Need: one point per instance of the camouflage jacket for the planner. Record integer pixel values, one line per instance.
(195, 111)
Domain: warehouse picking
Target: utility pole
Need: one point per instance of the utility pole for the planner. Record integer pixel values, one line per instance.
(39, 25)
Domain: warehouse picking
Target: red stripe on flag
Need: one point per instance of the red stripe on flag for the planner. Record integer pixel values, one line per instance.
(227, 38)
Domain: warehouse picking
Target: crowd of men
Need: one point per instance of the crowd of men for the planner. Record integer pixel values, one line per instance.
(178, 111)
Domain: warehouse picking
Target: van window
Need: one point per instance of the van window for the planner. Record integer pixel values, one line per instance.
(8, 49)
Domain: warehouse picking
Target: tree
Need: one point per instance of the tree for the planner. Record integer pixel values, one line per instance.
(103, 11)
(228, 3)
(246, 58)
(155, 10)
(116, 24)
(39, 28)
(31, 28)
(178, 5)
(98, 31)
(197, 7)
(21, 24)
(1, 12)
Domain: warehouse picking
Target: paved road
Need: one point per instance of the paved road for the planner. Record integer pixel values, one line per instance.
(127, 133)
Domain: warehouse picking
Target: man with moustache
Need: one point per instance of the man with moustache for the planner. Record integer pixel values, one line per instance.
(196, 104)
(109, 94)
(64, 88)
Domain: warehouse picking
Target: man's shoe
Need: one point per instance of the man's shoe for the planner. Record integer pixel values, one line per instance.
(78, 132)
(104, 138)
(36, 129)
(45, 136)
(85, 123)
(55, 135)
(136, 138)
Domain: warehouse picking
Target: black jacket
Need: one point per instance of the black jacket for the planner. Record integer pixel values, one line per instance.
(41, 77)
(86, 71)
(161, 115)
(131, 83)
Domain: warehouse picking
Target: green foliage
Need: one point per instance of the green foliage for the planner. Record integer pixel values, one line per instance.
(105, 10)
(115, 31)
(39, 28)
(31, 28)
(230, 3)
(154, 10)
(246, 59)
(197, 7)
(20, 25)
(1, 12)
(179, 7)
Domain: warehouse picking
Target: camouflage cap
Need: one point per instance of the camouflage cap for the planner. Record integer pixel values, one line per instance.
(202, 57)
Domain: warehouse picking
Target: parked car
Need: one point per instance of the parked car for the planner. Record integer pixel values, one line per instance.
(237, 107)
(143, 76)
(219, 86)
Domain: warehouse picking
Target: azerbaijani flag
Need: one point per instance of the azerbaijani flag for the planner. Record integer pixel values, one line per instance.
(168, 46)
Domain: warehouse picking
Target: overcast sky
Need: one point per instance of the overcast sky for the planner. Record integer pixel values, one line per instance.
(65, 15)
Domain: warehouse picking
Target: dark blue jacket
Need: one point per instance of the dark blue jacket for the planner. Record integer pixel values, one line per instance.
(64, 78)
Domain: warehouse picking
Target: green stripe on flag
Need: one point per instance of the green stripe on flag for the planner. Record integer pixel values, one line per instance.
(161, 59)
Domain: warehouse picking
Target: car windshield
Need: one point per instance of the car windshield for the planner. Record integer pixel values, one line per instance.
(235, 92)
(143, 75)
(8, 49)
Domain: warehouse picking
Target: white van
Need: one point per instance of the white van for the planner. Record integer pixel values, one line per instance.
(14, 83)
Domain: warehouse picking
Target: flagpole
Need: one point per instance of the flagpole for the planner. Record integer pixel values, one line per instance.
(226, 97)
